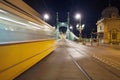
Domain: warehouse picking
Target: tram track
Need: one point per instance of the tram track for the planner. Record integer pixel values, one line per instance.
(103, 63)
(84, 75)
(87, 76)
(108, 67)
(98, 62)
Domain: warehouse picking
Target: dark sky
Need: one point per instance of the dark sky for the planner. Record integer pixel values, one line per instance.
(89, 9)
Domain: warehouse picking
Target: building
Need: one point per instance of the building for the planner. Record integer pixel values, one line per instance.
(108, 27)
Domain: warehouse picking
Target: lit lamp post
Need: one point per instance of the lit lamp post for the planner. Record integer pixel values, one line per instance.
(79, 26)
(71, 28)
(46, 17)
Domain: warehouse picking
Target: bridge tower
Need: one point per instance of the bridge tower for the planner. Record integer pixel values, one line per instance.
(68, 35)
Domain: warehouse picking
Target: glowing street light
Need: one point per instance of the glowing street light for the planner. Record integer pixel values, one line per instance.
(71, 27)
(78, 16)
(83, 25)
(79, 26)
(46, 16)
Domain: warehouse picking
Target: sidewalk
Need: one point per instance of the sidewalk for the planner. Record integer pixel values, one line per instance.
(111, 45)
(102, 45)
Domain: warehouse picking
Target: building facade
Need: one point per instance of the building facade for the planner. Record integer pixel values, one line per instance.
(108, 27)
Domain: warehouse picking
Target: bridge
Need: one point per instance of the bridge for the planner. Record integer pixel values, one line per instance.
(30, 49)
(68, 34)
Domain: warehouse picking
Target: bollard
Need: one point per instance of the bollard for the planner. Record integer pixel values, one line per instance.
(111, 45)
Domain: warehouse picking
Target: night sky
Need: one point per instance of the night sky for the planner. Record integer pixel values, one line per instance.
(89, 9)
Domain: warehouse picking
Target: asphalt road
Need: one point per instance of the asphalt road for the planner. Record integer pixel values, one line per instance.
(73, 61)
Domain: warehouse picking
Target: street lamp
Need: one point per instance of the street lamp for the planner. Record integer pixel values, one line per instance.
(78, 16)
(71, 27)
(79, 26)
(46, 17)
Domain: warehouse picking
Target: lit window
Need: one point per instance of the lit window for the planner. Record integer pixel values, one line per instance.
(114, 36)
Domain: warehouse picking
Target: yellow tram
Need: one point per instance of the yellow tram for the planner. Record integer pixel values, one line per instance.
(24, 38)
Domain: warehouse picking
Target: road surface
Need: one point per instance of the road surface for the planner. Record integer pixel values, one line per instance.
(73, 61)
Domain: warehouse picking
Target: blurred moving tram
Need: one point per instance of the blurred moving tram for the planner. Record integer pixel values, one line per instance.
(24, 38)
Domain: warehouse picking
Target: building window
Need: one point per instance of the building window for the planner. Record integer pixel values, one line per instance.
(114, 36)
(100, 27)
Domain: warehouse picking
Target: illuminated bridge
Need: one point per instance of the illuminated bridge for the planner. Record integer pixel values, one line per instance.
(29, 49)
